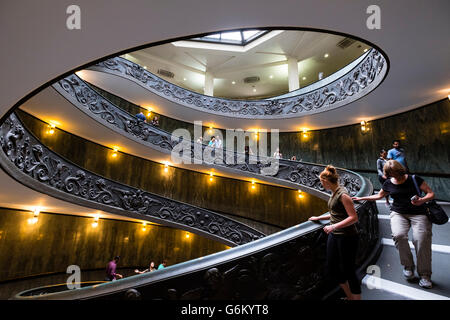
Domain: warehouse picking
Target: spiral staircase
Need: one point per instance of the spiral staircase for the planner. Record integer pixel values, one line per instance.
(286, 265)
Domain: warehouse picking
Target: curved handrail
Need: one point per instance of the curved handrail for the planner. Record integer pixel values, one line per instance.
(295, 173)
(291, 260)
(25, 158)
(356, 83)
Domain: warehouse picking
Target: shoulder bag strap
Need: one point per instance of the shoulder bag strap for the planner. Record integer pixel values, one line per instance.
(419, 192)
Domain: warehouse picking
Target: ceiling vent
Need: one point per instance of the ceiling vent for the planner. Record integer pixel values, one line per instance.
(165, 73)
(345, 43)
(251, 79)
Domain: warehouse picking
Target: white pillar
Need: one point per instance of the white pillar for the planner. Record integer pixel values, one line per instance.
(294, 83)
(209, 84)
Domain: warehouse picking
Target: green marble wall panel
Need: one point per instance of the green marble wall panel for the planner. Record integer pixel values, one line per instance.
(57, 241)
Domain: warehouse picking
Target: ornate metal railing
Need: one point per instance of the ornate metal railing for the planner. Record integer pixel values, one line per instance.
(358, 82)
(34, 165)
(295, 173)
(286, 265)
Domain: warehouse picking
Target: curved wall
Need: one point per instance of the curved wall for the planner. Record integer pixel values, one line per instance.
(267, 208)
(57, 241)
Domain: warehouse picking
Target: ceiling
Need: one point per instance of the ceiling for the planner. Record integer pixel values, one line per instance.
(315, 52)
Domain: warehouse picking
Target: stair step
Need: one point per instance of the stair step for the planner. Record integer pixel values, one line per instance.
(391, 270)
(387, 289)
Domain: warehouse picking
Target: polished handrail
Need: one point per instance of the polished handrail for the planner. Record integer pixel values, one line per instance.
(356, 83)
(25, 158)
(302, 245)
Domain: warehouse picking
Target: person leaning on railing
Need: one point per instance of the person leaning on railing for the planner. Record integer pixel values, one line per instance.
(343, 238)
(408, 211)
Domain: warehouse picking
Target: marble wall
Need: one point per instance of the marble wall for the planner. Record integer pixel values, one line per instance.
(424, 133)
(57, 241)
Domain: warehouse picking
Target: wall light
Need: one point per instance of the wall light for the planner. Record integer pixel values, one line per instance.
(115, 152)
(305, 133)
(50, 129)
(300, 194)
(35, 219)
(253, 185)
(95, 223)
(211, 176)
(144, 226)
(166, 166)
(364, 126)
(187, 235)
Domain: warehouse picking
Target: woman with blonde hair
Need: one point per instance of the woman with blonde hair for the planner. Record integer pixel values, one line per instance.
(342, 243)
(408, 211)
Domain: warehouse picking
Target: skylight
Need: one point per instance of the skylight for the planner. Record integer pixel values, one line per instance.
(233, 37)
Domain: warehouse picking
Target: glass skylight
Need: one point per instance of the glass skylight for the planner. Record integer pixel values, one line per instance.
(233, 37)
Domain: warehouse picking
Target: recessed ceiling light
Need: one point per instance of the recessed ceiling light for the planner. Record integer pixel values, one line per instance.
(271, 76)
(326, 55)
(365, 50)
(304, 78)
(233, 82)
(184, 79)
(145, 67)
(254, 89)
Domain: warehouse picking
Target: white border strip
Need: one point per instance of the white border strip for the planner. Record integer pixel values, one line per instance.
(373, 282)
(434, 247)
